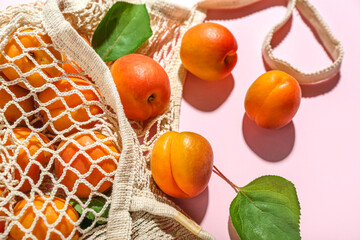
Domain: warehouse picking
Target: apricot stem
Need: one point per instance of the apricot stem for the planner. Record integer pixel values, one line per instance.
(236, 188)
(220, 174)
(230, 58)
(151, 98)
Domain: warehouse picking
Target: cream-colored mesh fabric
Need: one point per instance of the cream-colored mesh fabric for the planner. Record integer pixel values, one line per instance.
(58, 108)
(74, 112)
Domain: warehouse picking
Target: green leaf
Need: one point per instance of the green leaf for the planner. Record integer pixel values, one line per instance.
(77, 206)
(266, 209)
(124, 29)
(96, 204)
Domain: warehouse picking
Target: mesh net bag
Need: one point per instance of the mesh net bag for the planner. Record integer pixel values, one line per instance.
(64, 137)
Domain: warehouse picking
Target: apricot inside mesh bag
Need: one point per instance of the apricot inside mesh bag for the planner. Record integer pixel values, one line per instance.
(58, 141)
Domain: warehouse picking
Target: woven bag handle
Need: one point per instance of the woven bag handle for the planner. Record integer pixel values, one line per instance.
(330, 43)
(142, 203)
(65, 38)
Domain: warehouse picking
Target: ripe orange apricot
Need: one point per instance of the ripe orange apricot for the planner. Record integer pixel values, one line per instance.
(51, 212)
(85, 160)
(208, 50)
(181, 163)
(69, 68)
(143, 86)
(25, 64)
(273, 99)
(31, 144)
(78, 114)
(13, 112)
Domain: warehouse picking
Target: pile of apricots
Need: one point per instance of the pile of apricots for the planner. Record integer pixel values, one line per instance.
(181, 163)
(86, 160)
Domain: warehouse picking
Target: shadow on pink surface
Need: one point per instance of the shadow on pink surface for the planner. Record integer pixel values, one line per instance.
(320, 88)
(195, 207)
(205, 95)
(270, 145)
(244, 11)
(232, 231)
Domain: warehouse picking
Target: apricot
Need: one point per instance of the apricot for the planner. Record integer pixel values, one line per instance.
(26, 63)
(50, 213)
(208, 50)
(85, 161)
(72, 100)
(12, 111)
(143, 86)
(181, 163)
(69, 68)
(31, 144)
(273, 99)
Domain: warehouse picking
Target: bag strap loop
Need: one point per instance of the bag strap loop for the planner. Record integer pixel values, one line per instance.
(330, 43)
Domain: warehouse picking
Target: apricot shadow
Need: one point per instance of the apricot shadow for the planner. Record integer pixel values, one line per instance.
(205, 95)
(226, 14)
(270, 145)
(232, 231)
(195, 207)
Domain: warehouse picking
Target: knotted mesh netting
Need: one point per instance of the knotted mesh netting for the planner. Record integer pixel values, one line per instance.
(61, 141)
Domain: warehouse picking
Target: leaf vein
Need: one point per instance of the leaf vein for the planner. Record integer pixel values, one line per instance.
(120, 34)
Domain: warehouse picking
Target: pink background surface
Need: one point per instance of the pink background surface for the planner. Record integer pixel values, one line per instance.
(318, 151)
